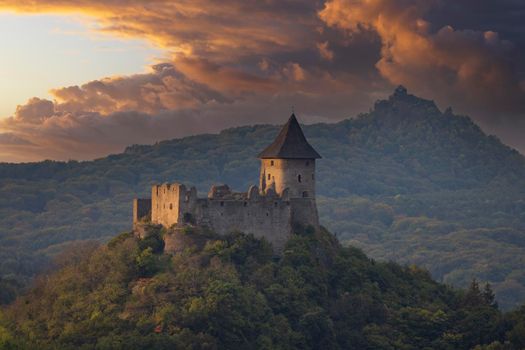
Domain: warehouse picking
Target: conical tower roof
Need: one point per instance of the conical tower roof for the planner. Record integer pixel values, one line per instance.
(290, 143)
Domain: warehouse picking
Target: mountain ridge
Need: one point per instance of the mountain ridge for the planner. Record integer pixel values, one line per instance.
(403, 161)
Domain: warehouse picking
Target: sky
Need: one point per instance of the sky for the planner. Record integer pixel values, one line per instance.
(81, 79)
(68, 51)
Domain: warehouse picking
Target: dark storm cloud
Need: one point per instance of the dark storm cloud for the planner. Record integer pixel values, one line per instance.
(505, 17)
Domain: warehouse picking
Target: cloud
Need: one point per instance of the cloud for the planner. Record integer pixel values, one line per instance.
(13, 140)
(196, 27)
(470, 69)
(324, 51)
(105, 116)
(164, 88)
(239, 62)
(36, 110)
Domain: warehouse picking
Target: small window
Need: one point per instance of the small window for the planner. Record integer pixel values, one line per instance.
(313, 176)
(269, 176)
(271, 162)
(222, 204)
(245, 204)
(171, 206)
(299, 178)
(307, 163)
(305, 194)
(275, 204)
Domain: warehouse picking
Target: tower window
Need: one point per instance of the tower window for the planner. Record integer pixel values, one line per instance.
(305, 194)
(269, 176)
(271, 162)
(171, 206)
(307, 163)
(299, 178)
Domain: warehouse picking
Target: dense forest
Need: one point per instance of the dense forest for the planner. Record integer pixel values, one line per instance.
(232, 292)
(404, 182)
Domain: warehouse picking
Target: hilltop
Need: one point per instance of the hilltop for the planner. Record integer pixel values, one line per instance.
(232, 292)
(404, 181)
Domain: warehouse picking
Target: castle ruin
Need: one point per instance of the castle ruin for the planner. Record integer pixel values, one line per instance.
(285, 196)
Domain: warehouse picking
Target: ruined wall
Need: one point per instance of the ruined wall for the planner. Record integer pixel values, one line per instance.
(224, 212)
(141, 209)
(166, 201)
(268, 217)
(304, 212)
(298, 175)
(170, 204)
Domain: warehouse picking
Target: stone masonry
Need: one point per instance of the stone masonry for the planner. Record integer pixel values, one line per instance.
(285, 196)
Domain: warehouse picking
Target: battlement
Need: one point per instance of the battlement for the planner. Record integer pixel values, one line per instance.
(286, 196)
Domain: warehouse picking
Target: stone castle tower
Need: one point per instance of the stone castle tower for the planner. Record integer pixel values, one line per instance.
(288, 168)
(284, 199)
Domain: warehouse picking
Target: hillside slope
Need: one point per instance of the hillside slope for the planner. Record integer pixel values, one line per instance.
(232, 293)
(403, 182)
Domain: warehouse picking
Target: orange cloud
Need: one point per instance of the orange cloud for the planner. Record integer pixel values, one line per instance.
(465, 68)
(237, 62)
(164, 88)
(194, 27)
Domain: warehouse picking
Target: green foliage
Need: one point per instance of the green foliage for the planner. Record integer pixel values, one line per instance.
(7, 342)
(147, 262)
(404, 182)
(234, 294)
(119, 239)
(152, 241)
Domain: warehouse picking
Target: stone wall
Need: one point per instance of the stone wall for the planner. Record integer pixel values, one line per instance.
(269, 215)
(304, 212)
(298, 175)
(167, 202)
(224, 212)
(141, 209)
(265, 216)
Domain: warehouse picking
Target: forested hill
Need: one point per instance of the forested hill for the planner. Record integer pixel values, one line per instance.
(231, 292)
(404, 182)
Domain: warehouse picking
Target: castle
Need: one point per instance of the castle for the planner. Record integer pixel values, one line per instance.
(285, 196)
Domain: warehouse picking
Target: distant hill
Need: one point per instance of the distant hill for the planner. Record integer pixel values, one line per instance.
(404, 182)
(231, 292)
